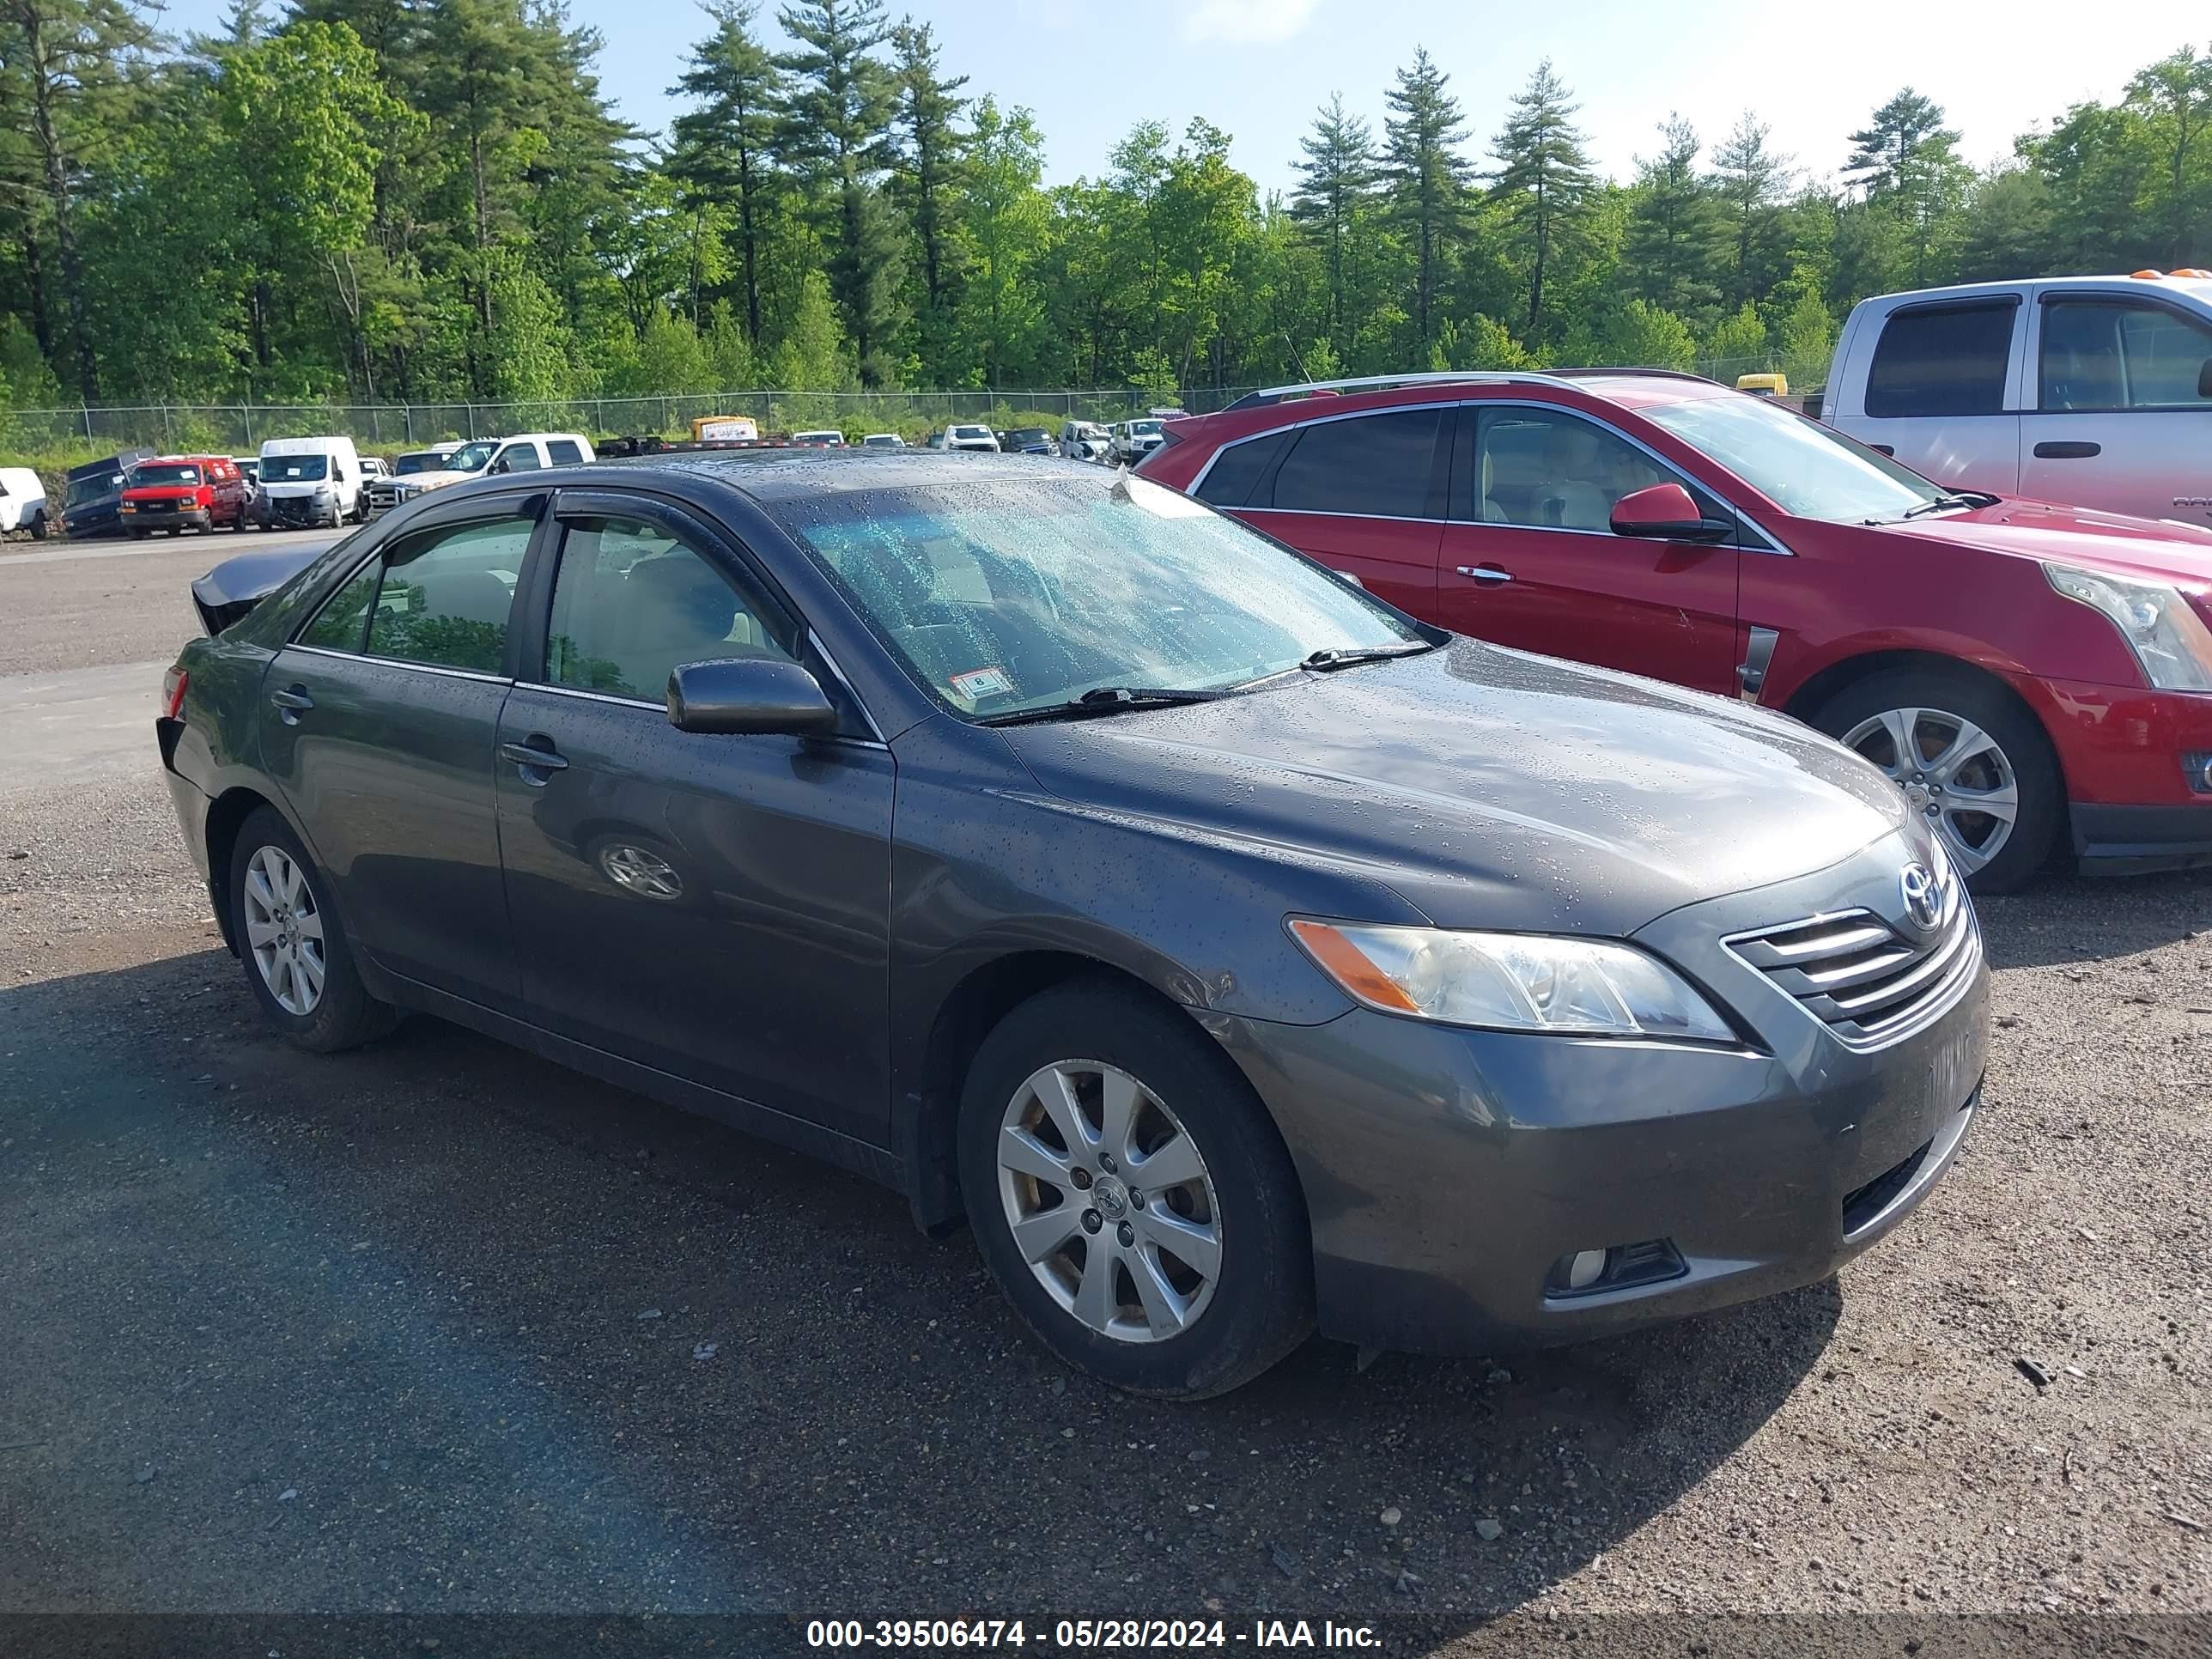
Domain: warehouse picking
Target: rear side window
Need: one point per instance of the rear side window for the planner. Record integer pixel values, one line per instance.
(443, 597)
(1941, 360)
(1237, 470)
(2111, 355)
(564, 451)
(1374, 465)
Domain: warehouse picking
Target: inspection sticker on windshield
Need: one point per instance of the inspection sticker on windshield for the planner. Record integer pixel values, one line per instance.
(978, 683)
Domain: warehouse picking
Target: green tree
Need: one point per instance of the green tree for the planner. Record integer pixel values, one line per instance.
(1640, 335)
(1004, 222)
(2175, 96)
(1675, 232)
(837, 117)
(1906, 162)
(1336, 183)
(1737, 344)
(1428, 177)
(1544, 181)
(723, 147)
(1749, 179)
(926, 172)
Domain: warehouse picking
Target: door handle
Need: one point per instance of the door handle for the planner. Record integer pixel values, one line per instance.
(1486, 573)
(2070, 449)
(1889, 450)
(530, 757)
(291, 702)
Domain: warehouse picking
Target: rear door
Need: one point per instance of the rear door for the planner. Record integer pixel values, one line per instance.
(1364, 494)
(2123, 420)
(715, 906)
(379, 722)
(1530, 559)
(1943, 390)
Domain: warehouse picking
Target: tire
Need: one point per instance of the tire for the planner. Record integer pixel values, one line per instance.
(340, 1013)
(40, 528)
(1258, 1303)
(1941, 705)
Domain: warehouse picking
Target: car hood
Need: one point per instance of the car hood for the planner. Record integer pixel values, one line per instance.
(1489, 787)
(437, 480)
(2163, 549)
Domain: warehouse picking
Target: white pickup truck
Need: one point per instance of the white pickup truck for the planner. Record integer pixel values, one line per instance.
(2092, 391)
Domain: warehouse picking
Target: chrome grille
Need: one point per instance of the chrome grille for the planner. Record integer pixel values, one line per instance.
(384, 495)
(1868, 980)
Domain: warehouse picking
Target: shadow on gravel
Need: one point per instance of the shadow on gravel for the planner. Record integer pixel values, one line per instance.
(2069, 918)
(437, 1326)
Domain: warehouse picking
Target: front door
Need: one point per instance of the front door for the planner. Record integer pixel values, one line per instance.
(715, 907)
(379, 722)
(1529, 557)
(2124, 409)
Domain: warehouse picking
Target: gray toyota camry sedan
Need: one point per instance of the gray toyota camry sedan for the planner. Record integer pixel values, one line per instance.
(1237, 955)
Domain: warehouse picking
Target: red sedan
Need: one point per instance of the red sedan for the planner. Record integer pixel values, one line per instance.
(2035, 677)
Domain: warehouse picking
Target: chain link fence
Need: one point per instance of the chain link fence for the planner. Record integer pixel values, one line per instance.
(387, 429)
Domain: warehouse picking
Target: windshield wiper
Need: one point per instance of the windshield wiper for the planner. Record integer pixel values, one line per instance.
(1944, 503)
(1104, 700)
(1334, 657)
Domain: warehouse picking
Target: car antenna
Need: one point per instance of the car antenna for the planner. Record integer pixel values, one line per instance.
(1295, 358)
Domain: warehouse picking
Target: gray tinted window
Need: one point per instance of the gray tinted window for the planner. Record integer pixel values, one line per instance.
(338, 626)
(1373, 465)
(1237, 470)
(446, 596)
(2109, 355)
(517, 458)
(631, 603)
(564, 453)
(1941, 360)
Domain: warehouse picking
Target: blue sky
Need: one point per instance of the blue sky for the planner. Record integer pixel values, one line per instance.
(1258, 67)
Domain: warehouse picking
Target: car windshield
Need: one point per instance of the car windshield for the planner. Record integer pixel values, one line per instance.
(1007, 596)
(971, 431)
(294, 469)
(81, 490)
(472, 458)
(151, 477)
(1027, 435)
(1143, 429)
(1808, 469)
(422, 460)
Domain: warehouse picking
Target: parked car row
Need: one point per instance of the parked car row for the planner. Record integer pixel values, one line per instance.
(420, 471)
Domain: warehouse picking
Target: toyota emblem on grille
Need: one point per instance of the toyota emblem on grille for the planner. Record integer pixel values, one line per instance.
(1924, 899)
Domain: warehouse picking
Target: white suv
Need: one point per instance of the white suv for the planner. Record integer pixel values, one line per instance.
(2092, 391)
(965, 436)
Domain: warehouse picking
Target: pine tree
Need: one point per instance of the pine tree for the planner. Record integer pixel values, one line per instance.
(1673, 227)
(1544, 179)
(1906, 160)
(1335, 180)
(1749, 179)
(836, 127)
(1428, 176)
(723, 148)
(928, 157)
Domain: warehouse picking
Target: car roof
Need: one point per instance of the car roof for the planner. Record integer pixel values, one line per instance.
(2197, 287)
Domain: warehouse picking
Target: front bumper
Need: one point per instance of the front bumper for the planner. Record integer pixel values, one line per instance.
(296, 512)
(144, 517)
(1448, 1173)
(2137, 802)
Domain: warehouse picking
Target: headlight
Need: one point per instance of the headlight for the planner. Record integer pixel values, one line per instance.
(2171, 643)
(1512, 982)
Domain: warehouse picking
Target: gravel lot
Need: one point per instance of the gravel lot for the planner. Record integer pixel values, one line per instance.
(439, 1327)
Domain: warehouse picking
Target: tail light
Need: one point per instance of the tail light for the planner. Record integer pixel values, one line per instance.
(172, 693)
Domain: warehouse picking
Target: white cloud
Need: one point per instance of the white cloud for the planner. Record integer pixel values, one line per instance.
(1248, 20)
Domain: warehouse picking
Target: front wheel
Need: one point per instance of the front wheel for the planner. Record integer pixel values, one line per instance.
(298, 959)
(1970, 760)
(1131, 1196)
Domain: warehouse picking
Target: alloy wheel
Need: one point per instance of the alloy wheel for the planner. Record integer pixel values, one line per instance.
(1953, 772)
(284, 930)
(641, 871)
(1110, 1201)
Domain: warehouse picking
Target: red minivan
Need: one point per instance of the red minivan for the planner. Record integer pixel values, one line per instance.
(184, 492)
(2037, 679)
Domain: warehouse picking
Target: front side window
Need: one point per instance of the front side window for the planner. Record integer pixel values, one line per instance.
(1549, 470)
(1808, 469)
(2107, 354)
(441, 599)
(1374, 465)
(517, 458)
(1941, 360)
(631, 604)
(1008, 595)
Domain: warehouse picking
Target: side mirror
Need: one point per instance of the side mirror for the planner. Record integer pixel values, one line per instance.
(749, 695)
(2204, 379)
(1665, 511)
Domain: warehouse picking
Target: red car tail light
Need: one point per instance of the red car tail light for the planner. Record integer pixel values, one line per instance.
(172, 693)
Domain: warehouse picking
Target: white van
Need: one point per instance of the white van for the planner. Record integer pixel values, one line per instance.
(311, 482)
(22, 501)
